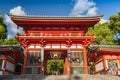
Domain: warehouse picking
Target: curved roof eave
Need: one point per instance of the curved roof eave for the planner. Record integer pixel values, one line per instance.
(55, 17)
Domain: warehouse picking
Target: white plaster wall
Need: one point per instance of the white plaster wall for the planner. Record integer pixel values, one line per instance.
(55, 46)
(1, 72)
(79, 47)
(31, 46)
(38, 47)
(47, 46)
(73, 47)
(99, 66)
(63, 47)
(10, 66)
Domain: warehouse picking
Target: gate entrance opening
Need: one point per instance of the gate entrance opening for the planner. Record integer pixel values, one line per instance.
(55, 67)
(55, 60)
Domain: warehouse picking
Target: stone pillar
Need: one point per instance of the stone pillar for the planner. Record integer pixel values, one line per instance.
(42, 60)
(68, 54)
(42, 54)
(68, 62)
(42, 43)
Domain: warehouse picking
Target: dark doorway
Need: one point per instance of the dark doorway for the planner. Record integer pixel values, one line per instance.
(18, 68)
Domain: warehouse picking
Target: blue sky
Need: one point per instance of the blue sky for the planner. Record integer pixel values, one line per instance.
(57, 8)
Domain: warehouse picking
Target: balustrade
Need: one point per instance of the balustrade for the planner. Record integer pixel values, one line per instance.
(56, 35)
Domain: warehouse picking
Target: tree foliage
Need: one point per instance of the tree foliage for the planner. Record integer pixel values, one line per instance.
(115, 26)
(91, 67)
(104, 36)
(55, 66)
(3, 34)
(115, 23)
(10, 41)
(3, 29)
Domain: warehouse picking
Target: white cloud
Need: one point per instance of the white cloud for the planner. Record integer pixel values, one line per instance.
(17, 11)
(92, 11)
(83, 6)
(12, 27)
(103, 20)
(9, 36)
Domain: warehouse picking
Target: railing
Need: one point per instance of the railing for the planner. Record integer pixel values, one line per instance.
(57, 35)
(33, 64)
(106, 46)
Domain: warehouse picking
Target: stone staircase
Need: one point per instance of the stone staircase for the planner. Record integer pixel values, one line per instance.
(61, 77)
(94, 77)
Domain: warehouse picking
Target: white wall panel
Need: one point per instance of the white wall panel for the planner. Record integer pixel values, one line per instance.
(38, 47)
(73, 47)
(1, 72)
(63, 47)
(55, 46)
(79, 47)
(47, 46)
(31, 47)
(10, 66)
(99, 66)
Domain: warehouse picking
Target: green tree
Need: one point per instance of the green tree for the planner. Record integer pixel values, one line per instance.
(3, 34)
(91, 67)
(104, 36)
(115, 23)
(115, 26)
(3, 29)
(10, 41)
(55, 66)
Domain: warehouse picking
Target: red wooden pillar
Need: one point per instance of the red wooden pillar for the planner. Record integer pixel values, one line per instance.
(85, 60)
(64, 67)
(67, 69)
(94, 68)
(45, 63)
(119, 62)
(104, 64)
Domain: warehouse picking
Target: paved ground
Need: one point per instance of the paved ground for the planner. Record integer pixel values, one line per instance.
(61, 77)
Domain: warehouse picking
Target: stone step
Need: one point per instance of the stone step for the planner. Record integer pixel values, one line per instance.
(94, 77)
(61, 77)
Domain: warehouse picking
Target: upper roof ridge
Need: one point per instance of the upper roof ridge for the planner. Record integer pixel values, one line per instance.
(62, 17)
